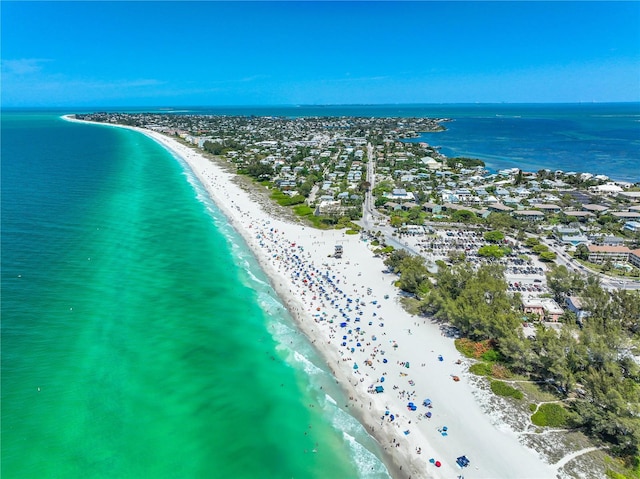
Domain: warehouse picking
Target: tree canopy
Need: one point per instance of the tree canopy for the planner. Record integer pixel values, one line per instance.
(593, 363)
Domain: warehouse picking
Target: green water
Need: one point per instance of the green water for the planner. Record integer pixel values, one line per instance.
(139, 339)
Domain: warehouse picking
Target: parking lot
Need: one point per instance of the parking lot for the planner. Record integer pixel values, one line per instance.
(524, 276)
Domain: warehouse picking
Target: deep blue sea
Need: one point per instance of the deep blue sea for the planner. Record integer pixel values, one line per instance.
(140, 337)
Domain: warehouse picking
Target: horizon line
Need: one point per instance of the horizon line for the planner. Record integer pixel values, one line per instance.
(315, 105)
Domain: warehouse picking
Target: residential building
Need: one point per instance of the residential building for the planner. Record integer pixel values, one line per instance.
(574, 304)
(529, 215)
(600, 254)
(633, 226)
(544, 308)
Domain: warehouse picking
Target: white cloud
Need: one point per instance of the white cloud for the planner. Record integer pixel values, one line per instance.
(23, 66)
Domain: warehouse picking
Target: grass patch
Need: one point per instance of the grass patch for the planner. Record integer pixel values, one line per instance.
(494, 370)
(533, 407)
(351, 232)
(480, 369)
(499, 371)
(471, 349)
(535, 393)
(551, 415)
(302, 210)
(285, 200)
(492, 356)
(628, 468)
(503, 389)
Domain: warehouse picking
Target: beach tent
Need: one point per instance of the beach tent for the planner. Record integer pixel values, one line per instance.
(462, 461)
(426, 402)
(379, 389)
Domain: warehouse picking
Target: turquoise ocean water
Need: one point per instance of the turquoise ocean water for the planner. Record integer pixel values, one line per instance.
(139, 336)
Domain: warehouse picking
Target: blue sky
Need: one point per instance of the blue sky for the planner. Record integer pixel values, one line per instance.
(265, 53)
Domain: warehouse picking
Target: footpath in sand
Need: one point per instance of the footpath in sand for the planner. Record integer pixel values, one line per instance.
(349, 309)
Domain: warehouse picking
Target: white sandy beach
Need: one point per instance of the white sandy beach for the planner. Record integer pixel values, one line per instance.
(322, 292)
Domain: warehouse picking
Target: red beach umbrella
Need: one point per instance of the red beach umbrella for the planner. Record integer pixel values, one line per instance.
(438, 464)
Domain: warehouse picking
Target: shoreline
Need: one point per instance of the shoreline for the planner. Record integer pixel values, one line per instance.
(387, 346)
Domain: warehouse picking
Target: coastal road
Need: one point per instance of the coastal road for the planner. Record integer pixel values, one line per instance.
(371, 219)
(607, 282)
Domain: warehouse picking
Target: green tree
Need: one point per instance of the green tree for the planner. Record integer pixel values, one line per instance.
(561, 281)
(463, 216)
(494, 236)
(413, 273)
(492, 251)
(519, 178)
(547, 256)
(259, 170)
(540, 248)
(582, 252)
(394, 260)
(532, 241)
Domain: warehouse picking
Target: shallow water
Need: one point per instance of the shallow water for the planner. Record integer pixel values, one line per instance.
(139, 337)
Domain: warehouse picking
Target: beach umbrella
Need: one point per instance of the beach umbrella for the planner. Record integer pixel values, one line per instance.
(382, 379)
(355, 366)
(432, 460)
(438, 464)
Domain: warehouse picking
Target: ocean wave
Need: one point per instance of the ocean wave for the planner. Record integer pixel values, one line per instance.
(309, 368)
(368, 465)
(330, 399)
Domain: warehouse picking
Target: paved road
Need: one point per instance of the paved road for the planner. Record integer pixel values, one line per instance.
(607, 282)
